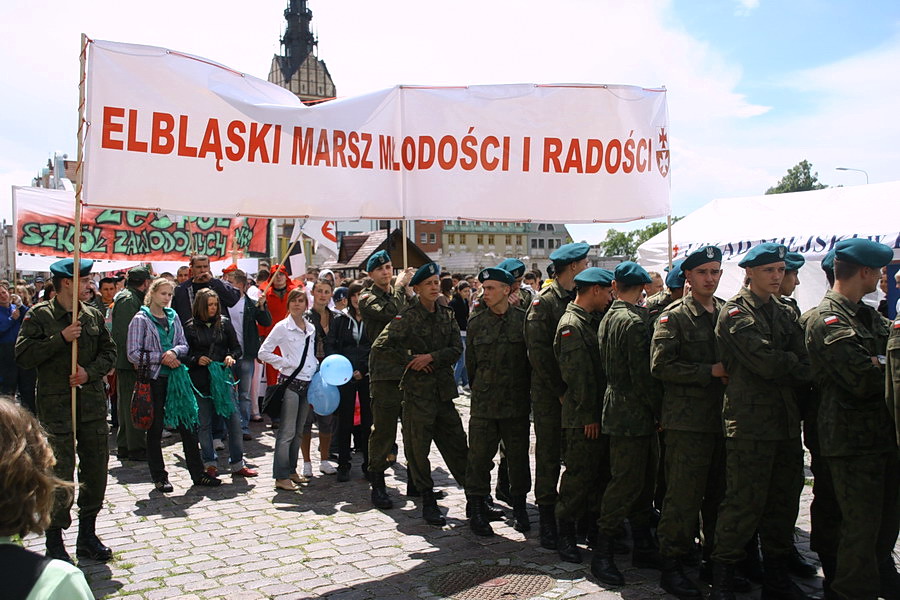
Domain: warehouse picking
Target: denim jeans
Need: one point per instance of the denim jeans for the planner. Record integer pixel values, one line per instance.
(459, 371)
(235, 440)
(288, 435)
(243, 373)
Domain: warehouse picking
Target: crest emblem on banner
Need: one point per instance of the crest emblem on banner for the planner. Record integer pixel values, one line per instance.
(662, 155)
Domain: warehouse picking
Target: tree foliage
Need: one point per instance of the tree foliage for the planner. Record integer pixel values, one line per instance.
(625, 243)
(799, 178)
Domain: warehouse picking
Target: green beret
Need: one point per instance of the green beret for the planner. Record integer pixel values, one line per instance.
(793, 261)
(514, 266)
(764, 254)
(63, 268)
(594, 276)
(675, 278)
(569, 253)
(863, 252)
(497, 274)
(425, 271)
(828, 263)
(376, 260)
(141, 273)
(701, 256)
(631, 273)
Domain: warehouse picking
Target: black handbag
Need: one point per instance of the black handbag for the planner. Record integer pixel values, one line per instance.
(274, 398)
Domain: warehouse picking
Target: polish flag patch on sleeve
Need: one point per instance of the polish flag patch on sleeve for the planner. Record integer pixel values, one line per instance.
(664, 319)
(896, 323)
(734, 311)
(567, 333)
(831, 320)
(398, 317)
(536, 302)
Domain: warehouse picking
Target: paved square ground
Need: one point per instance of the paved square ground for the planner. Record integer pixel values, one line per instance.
(246, 540)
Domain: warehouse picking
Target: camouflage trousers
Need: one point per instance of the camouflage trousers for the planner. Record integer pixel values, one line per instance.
(485, 435)
(824, 512)
(695, 470)
(632, 461)
(763, 481)
(426, 419)
(585, 478)
(866, 491)
(386, 407)
(547, 413)
(128, 437)
(93, 463)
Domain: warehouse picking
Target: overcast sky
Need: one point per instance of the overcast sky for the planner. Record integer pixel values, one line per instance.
(754, 86)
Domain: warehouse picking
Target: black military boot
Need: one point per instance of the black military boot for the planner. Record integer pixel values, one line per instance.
(501, 491)
(521, 522)
(777, 583)
(430, 511)
(566, 544)
(751, 566)
(55, 546)
(722, 578)
(478, 521)
(645, 554)
(491, 511)
(603, 565)
(799, 566)
(88, 545)
(889, 578)
(829, 566)
(413, 492)
(547, 525)
(380, 498)
(738, 583)
(674, 581)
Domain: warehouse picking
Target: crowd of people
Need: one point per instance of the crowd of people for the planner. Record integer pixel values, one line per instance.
(662, 407)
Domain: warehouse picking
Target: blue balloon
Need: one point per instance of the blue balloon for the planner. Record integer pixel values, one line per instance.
(336, 369)
(323, 397)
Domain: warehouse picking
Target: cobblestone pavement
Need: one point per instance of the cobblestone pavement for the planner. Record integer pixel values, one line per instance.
(246, 540)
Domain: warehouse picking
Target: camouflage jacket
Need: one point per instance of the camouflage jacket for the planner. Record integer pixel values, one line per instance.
(842, 339)
(540, 329)
(682, 353)
(761, 346)
(377, 308)
(41, 346)
(791, 304)
(419, 331)
(631, 404)
(497, 364)
(128, 302)
(656, 304)
(578, 355)
(521, 298)
(892, 382)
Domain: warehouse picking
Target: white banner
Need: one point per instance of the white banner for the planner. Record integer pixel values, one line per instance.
(181, 134)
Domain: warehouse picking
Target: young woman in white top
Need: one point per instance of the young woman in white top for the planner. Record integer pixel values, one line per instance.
(291, 336)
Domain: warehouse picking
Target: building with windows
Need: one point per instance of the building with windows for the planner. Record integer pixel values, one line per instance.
(468, 246)
(298, 68)
(543, 239)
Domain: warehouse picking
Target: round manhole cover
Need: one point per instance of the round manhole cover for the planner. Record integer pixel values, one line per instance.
(492, 582)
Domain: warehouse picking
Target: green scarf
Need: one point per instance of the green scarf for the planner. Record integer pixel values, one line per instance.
(181, 403)
(166, 336)
(221, 383)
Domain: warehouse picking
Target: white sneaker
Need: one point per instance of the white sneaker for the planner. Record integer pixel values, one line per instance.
(218, 444)
(327, 468)
(307, 469)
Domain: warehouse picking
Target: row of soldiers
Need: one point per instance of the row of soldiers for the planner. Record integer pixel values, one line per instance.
(722, 386)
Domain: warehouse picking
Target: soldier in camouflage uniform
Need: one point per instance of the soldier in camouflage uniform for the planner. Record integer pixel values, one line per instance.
(499, 374)
(423, 343)
(587, 450)
(547, 386)
(684, 358)
(378, 304)
(762, 349)
(44, 344)
(658, 302)
(847, 342)
(631, 408)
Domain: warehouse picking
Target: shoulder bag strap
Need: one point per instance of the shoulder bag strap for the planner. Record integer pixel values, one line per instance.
(300, 366)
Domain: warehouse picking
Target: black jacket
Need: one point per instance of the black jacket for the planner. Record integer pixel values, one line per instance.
(183, 296)
(324, 341)
(213, 341)
(344, 344)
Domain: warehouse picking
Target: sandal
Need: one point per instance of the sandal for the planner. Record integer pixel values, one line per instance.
(285, 484)
(298, 479)
(207, 481)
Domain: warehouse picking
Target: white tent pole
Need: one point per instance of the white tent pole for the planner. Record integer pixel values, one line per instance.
(405, 262)
(669, 232)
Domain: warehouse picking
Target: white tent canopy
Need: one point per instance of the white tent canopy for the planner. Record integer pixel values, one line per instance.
(810, 223)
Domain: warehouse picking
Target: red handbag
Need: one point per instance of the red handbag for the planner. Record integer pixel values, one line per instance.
(141, 400)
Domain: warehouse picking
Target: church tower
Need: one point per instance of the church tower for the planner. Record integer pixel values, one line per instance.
(298, 68)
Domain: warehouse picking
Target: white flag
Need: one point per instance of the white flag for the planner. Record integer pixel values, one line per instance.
(324, 233)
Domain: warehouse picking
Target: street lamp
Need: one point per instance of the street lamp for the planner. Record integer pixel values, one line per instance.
(849, 169)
